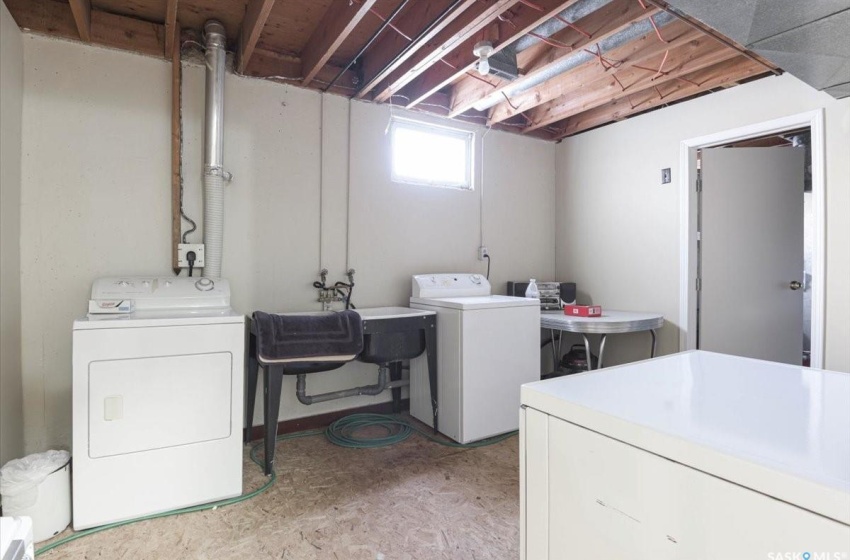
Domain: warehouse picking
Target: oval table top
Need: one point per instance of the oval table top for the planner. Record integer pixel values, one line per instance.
(610, 322)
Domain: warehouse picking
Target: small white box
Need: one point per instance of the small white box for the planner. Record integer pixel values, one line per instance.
(51, 513)
(184, 248)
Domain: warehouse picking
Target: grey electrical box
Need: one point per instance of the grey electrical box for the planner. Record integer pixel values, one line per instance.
(665, 175)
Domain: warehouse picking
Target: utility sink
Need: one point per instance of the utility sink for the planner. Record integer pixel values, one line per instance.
(392, 334)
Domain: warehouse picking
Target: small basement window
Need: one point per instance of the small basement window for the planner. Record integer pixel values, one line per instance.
(424, 154)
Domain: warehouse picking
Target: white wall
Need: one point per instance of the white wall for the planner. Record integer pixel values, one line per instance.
(11, 83)
(619, 238)
(96, 201)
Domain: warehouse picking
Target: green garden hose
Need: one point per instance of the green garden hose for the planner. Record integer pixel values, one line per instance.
(341, 432)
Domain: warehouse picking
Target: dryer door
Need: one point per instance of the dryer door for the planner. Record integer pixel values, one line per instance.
(142, 404)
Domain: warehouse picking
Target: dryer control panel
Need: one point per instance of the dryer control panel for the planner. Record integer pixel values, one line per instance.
(450, 285)
(127, 294)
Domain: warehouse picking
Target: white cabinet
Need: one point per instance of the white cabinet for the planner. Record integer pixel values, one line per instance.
(596, 487)
(592, 497)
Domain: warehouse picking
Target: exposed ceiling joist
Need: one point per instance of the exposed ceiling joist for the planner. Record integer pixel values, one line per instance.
(392, 50)
(335, 27)
(256, 14)
(724, 73)
(542, 58)
(580, 77)
(631, 78)
(460, 35)
(696, 24)
(111, 30)
(82, 16)
(171, 27)
(461, 60)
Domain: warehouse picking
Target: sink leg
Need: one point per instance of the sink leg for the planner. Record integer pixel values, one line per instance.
(395, 375)
(250, 387)
(431, 350)
(273, 379)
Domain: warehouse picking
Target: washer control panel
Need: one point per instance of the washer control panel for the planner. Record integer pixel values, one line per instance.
(124, 295)
(450, 285)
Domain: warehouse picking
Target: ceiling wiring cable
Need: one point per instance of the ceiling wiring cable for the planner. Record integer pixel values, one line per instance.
(341, 432)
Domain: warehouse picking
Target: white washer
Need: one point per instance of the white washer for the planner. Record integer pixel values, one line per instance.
(157, 398)
(487, 347)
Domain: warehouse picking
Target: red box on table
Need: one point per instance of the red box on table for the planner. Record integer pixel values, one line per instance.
(583, 310)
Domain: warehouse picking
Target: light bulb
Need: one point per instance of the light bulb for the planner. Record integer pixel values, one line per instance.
(483, 66)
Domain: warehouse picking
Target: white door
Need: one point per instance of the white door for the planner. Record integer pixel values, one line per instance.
(751, 253)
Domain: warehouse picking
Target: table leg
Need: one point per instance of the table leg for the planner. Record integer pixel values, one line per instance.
(395, 375)
(601, 351)
(652, 353)
(587, 352)
(272, 379)
(250, 387)
(554, 350)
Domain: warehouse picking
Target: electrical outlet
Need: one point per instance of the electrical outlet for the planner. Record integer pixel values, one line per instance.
(665, 175)
(184, 248)
(482, 253)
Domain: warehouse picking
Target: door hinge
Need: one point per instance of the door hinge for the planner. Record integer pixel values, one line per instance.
(699, 284)
(699, 236)
(699, 183)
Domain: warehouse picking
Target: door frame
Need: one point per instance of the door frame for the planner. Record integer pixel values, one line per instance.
(688, 220)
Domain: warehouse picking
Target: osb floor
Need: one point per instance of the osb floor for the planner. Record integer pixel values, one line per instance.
(413, 500)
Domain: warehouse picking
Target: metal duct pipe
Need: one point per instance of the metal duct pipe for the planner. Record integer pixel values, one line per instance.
(214, 175)
(552, 26)
(577, 59)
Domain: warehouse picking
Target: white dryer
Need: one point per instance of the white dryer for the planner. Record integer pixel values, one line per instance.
(487, 347)
(157, 398)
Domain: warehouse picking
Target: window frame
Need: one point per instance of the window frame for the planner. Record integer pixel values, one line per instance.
(468, 136)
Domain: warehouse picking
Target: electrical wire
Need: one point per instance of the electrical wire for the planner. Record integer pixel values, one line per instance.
(488, 265)
(341, 432)
(180, 155)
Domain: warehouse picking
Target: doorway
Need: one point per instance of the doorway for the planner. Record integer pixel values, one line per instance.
(767, 188)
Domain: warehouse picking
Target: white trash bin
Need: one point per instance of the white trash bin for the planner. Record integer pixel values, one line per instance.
(39, 486)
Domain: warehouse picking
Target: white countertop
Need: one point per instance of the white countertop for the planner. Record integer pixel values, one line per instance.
(778, 429)
(373, 313)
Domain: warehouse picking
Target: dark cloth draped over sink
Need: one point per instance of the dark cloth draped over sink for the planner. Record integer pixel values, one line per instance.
(286, 337)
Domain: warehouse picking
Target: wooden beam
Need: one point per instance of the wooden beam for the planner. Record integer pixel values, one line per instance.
(176, 145)
(634, 52)
(734, 70)
(285, 68)
(697, 24)
(632, 78)
(392, 50)
(542, 58)
(461, 60)
(447, 42)
(256, 14)
(337, 24)
(170, 27)
(125, 33)
(82, 16)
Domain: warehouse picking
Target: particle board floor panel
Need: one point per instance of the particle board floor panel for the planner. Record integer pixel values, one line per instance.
(414, 500)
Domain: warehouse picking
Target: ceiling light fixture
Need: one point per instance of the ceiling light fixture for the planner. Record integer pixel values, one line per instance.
(483, 50)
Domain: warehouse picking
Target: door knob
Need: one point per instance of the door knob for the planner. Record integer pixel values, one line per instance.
(795, 285)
